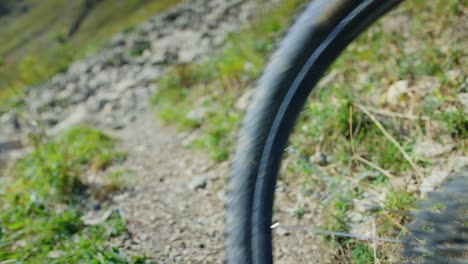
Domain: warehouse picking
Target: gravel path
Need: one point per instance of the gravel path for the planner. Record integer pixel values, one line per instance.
(175, 211)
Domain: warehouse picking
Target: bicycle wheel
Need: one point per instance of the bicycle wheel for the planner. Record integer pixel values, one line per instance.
(316, 39)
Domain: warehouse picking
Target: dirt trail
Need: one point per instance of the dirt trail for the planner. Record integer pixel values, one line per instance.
(173, 212)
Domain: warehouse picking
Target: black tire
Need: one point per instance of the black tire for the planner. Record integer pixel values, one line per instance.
(316, 39)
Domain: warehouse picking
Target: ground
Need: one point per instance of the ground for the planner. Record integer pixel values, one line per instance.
(384, 128)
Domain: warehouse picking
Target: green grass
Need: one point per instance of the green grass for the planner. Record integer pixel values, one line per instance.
(362, 254)
(215, 84)
(33, 46)
(409, 44)
(42, 202)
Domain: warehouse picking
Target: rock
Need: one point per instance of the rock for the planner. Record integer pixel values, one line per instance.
(147, 74)
(95, 218)
(138, 46)
(190, 138)
(56, 254)
(198, 182)
(78, 68)
(282, 232)
(78, 116)
(9, 145)
(396, 91)
(244, 100)
(454, 75)
(49, 119)
(430, 183)
(362, 228)
(412, 186)
(355, 217)
(157, 58)
(197, 114)
(118, 40)
(463, 98)
(369, 202)
(128, 102)
(79, 97)
(96, 104)
(397, 182)
(65, 94)
(458, 163)
(10, 123)
(115, 58)
(320, 159)
(431, 149)
(124, 85)
(47, 96)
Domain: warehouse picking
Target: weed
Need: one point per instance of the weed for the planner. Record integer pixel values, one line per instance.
(41, 203)
(362, 254)
(32, 56)
(408, 45)
(215, 84)
(397, 206)
(299, 213)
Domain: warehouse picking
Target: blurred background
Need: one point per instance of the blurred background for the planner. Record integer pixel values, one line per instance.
(41, 38)
(118, 119)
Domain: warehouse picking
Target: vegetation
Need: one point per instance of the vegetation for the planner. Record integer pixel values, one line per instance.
(215, 84)
(42, 203)
(35, 41)
(400, 82)
(354, 117)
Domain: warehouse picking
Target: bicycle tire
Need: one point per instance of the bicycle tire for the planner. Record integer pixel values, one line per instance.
(314, 41)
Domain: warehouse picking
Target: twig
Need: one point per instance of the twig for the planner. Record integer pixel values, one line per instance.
(389, 137)
(401, 226)
(351, 134)
(393, 114)
(375, 166)
(382, 206)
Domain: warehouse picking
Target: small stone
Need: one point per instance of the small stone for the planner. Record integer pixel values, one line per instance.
(397, 182)
(431, 149)
(55, 254)
(458, 163)
(282, 232)
(463, 98)
(412, 187)
(198, 182)
(453, 75)
(362, 228)
(355, 217)
(244, 100)
(368, 203)
(430, 183)
(189, 139)
(320, 159)
(92, 219)
(197, 115)
(396, 91)
(78, 116)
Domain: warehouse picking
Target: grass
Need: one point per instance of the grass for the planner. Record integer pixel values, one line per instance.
(375, 146)
(333, 121)
(44, 198)
(215, 84)
(34, 44)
